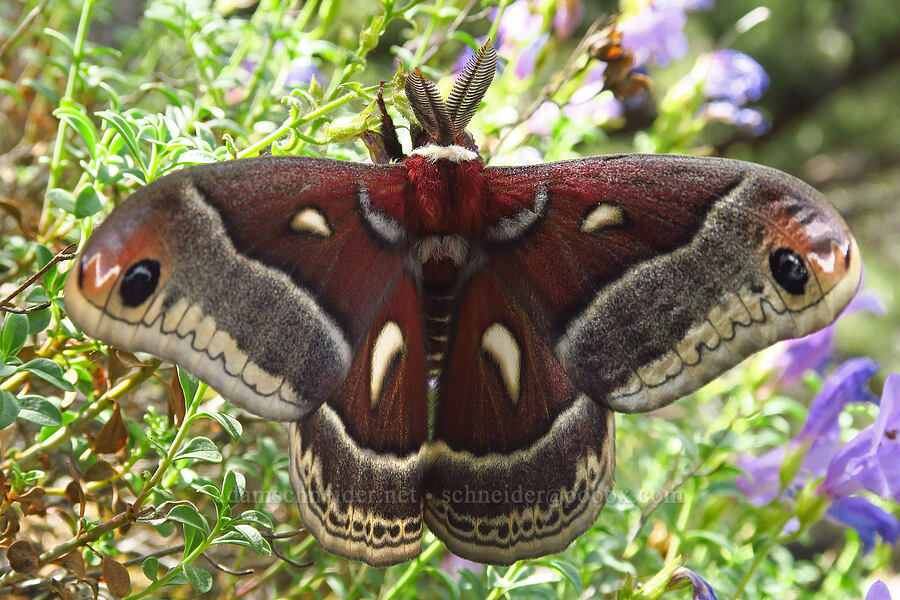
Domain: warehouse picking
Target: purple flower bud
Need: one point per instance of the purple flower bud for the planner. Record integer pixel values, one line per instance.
(700, 589)
(878, 591)
(734, 76)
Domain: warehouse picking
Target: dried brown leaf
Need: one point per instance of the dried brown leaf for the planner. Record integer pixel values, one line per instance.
(73, 562)
(113, 435)
(116, 577)
(33, 501)
(99, 471)
(22, 556)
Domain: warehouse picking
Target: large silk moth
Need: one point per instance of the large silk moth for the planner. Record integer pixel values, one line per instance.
(447, 340)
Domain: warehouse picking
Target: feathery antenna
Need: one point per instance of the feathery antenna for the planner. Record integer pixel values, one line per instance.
(470, 87)
(430, 109)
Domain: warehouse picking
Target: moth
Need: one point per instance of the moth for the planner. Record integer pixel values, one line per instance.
(448, 341)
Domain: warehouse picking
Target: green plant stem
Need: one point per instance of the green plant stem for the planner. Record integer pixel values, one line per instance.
(684, 514)
(62, 127)
(413, 570)
(425, 38)
(510, 575)
(254, 149)
(761, 554)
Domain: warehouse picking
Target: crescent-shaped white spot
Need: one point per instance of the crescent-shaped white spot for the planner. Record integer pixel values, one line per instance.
(387, 345)
(498, 342)
(311, 220)
(603, 215)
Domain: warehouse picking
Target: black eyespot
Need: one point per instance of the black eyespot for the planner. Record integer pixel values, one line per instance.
(140, 282)
(789, 270)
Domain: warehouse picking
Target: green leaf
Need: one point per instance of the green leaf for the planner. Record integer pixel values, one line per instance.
(39, 320)
(88, 202)
(39, 410)
(253, 537)
(73, 114)
(125, 131)
(150, 567)
(228, 423)
(200, 448)
(196, 157)
(568, 570)
(256, 517)
(13, 334)
(189, 385)
(63, 199)
(42, 253)
(49, 371)
(37, 294)
(199, 579)
(9, 408)
(233, 487)
(187, 514)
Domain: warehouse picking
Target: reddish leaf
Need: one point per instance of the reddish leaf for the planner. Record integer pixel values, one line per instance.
(22, 557)
(10, 526)
(73, 562)
(33, 501)
(99, 471)
(176, 399)
(74, 491)
(113, 436)
(116, 577)
(119, 363)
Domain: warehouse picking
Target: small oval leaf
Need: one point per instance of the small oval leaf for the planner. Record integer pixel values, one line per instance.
(200, 448)
(199, 579)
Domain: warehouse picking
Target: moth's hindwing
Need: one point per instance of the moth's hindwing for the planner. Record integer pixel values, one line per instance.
(356, 463)
(521, 463)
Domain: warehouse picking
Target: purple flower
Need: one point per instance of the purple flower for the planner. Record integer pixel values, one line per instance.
(518, 26)
(732, 79)
(820, 434)
(870, 460)
(878, 591)
(735, 77)
(749, 119)
(543, 120)
(528, 58)
(593, 107)
(700, 589)
(685, 4)
(567, 17)
(793, 358)
(655, 33)
(300, 72)
(866, 518)
(867, 462)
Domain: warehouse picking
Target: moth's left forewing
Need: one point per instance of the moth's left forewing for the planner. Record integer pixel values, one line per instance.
(651, 275)
(261, 276)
